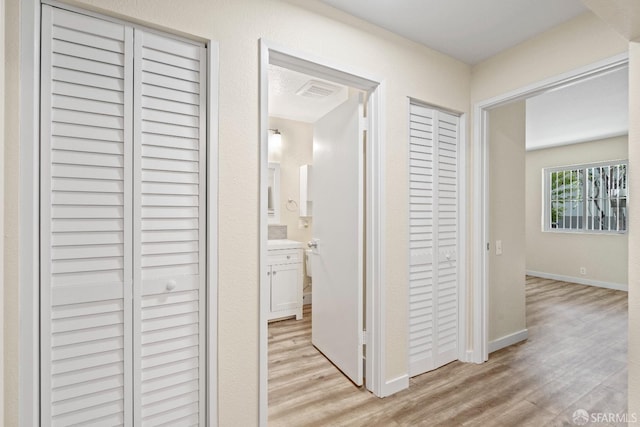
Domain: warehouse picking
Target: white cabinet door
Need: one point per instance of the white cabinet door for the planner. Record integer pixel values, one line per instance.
(286, 287)
(122, 224)
(338, 228)
(433, 239)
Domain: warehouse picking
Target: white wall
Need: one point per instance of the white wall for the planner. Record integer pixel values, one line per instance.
(576, 43)
(408, 69)
(603, 255)
(297, 150)
(506, 223)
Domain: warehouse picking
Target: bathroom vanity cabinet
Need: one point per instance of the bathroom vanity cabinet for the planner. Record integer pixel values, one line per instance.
(284, 273)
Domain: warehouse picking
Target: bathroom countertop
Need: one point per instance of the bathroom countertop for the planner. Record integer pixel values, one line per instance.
(284, 244)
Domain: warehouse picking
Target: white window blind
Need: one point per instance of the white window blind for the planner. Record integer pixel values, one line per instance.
(122, 225)
(586, 198)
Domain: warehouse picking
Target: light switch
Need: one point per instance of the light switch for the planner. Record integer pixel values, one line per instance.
(498, 247)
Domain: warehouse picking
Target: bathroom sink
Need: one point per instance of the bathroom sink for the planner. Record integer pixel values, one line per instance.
(284, 244)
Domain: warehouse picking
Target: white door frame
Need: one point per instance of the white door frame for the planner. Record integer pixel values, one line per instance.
(271, 53)
(481, 185)
(29, 224)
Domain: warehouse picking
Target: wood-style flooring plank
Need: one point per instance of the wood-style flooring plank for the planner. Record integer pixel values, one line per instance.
(574, 358)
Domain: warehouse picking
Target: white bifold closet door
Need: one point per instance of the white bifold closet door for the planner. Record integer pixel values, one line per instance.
(123, 173)
(433, 240)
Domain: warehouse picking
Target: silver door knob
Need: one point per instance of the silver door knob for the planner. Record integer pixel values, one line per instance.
(312, 243)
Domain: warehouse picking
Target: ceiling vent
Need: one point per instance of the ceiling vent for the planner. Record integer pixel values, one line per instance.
(317, 89)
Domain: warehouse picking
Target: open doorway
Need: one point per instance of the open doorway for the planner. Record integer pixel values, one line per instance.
(558, 189)
(315, 193)
(483, 202)
(341, 187)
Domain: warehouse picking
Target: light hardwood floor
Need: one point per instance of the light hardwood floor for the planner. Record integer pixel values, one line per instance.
(575, 358)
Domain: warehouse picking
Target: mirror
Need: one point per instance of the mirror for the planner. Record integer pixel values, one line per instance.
(273, 194)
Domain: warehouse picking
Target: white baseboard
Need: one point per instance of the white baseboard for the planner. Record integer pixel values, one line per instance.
(508, 340)
(395, 385)
(580, 280)
(306, 298)
(472, 356)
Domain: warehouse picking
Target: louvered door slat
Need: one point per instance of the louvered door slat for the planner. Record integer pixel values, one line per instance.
(447, 280)
(85, 235)
(433, 206)
(169, 215)
(421, 248)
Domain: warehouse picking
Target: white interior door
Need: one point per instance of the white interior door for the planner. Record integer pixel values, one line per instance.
(337, 263)
(433, 239)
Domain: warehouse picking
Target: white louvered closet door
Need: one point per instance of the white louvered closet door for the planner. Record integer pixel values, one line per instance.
(122, 224)
(169, 219)
(433, 239)
(86, 262)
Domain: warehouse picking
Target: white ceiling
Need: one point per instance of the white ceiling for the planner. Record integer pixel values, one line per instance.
(284, 102)
(469, 30)
(473, 30)
(592, 109)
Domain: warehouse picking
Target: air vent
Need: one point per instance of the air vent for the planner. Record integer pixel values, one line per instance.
(317, 89)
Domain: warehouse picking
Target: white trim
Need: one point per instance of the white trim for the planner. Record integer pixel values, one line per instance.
(395, 385)
(480, 238)
(271, 53)
(463, 327)
(263, 302)
(3, 86)
(29, 222)
(508, 340)
(481, 194)
(213, 71)
(375, 320)
(580, 280)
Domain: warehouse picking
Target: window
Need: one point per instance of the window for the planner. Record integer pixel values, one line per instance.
(586, 198)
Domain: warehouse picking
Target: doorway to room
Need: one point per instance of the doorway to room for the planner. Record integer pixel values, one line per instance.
(500, 168)
(325, 185)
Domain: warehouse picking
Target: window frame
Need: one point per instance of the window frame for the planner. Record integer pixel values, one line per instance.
(582, 168)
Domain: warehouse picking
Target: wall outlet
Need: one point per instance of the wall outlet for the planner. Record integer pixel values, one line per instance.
(583, 271)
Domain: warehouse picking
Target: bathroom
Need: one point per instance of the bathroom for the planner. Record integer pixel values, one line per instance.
(296, 102)
(290, 152)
